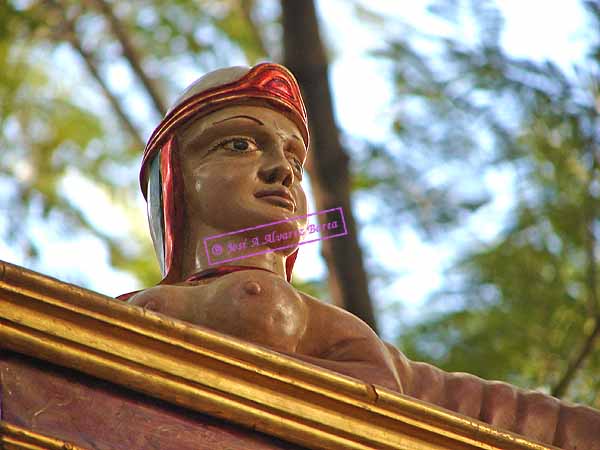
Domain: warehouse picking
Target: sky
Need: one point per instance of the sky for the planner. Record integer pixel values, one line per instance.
(555, 35)
(361, 96)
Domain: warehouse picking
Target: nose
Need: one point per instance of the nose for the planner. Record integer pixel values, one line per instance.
(276, 168)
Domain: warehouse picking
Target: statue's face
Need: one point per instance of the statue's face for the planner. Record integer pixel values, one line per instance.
(230, 156)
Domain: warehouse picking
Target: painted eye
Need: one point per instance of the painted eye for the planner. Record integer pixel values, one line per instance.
(240, 145)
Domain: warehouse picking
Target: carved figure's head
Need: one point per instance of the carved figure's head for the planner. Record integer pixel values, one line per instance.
(223, 101)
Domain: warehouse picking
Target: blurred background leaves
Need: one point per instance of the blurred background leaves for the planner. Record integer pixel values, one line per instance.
(83, 83)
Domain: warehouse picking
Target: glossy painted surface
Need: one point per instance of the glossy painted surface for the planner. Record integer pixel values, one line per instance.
(97, 414)
(223, 377)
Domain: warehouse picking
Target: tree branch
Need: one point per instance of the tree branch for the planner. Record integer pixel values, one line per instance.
(112, 99)
(132, 56)
(589, 242)
(588, 345)
(589, 239)
(247, 7)
(92, 66)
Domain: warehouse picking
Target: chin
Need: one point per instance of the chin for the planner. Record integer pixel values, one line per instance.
(276, 214)
(283, 227)
(273, 213)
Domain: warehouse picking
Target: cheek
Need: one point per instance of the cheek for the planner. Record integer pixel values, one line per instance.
(219, 182)
(301, 209)
(301, 202)
(219, 189)
(206, 183)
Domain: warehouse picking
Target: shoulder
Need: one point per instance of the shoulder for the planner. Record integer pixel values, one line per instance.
(330, 325)
(331, 316)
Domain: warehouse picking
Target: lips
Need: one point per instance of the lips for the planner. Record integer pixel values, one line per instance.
(280, 197)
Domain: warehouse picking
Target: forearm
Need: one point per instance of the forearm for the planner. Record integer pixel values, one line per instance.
(531, 414)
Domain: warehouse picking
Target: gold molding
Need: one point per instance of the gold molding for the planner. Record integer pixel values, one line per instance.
(13, 437)
(221, 376)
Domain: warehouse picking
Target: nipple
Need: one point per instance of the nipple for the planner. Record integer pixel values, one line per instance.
(252, 288)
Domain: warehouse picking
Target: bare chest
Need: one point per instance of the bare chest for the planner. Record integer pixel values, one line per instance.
(254, 305)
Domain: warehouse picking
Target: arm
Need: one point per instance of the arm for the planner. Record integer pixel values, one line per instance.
(529, 413)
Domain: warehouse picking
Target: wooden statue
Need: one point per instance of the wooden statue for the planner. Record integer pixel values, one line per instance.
(229, 156)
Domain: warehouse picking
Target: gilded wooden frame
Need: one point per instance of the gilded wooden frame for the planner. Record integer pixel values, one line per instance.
(221, 376)
(13, 437)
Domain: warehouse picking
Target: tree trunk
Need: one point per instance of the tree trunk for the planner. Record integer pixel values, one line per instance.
(328, 163)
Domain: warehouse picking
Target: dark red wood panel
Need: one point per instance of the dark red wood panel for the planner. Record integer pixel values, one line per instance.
(100, 415)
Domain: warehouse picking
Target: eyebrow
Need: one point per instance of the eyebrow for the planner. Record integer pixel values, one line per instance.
(254, 119)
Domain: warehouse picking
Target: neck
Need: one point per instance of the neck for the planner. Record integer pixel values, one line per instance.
(195, 259)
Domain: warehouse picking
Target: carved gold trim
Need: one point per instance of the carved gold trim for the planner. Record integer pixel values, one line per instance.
(13, 437)
(221, 376)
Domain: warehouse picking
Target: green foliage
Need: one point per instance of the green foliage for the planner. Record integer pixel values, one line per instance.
(518, 308)
(238, 25)
(58, 118)
(405, 181)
